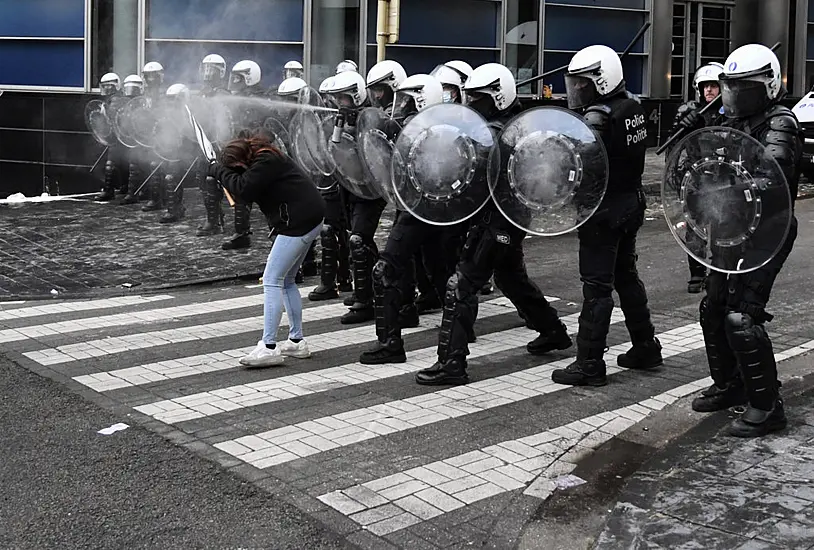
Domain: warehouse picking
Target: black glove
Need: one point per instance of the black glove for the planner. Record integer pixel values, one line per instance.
(214, 169)
(691, 121)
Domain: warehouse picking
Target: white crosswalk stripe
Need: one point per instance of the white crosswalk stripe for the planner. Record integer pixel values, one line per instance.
(288, 387)
(200, 388)
(71, 307)
(226, 359)
(133, 318)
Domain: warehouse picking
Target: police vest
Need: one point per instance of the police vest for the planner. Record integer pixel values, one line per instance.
(622, 125)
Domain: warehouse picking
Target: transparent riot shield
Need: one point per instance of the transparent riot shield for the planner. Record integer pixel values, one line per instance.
(376, 132)
(349, 170)
(138, 120)
(722, 186)
(440, 162)
(549, 172)
(309, 140)
(172, 132)
(99, 122)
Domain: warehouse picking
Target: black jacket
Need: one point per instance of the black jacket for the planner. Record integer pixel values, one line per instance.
(291, 202)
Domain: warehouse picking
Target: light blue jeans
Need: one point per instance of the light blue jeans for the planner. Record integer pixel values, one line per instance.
(279, 288)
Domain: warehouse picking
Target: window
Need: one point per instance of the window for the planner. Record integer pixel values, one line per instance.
(114, 39)
(433, 32)
(614, 24)
(335, 27)
(520, 42)
(678, 77)
(42, 43)
(180, 33)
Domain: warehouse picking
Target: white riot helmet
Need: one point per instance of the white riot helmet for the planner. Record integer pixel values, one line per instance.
(153, 74)
(347, 65)
(490, 88)
(213, 70)
(178, 92)
(452, 82)
(348, 89)
(326, 85)
(293, 69)
(245, 74)
(109, 84)
(594, 72)
(462, 67)
(133, 86)
(415, 94)
(383, 80)
(751, 80)
(291, 89)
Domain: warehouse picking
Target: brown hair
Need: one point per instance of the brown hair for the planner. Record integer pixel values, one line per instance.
(244, 150)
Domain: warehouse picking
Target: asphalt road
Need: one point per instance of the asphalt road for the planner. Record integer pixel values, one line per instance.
(65, 486)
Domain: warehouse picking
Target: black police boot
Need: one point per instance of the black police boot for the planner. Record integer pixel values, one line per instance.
(105, 196)
(209, 228)
(391, 351)
(587, 370)
(555, 339)
(716, 398)
(346, 285)
(237, 241)
(214, 215)
(757, 422)
(696, 284)
(322, 292)
(451, 372)
(642, 356)
(408, 316)
(488, 288)
(350, 300)
(359, 313)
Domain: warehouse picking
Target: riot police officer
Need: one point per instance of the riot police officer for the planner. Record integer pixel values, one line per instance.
(607, 242)
(213, 78)
(347, 65)
(110, 87)
(349, 92)
(494, 246)
(408, 234)
(244, 81)
(177, 98)
(335, 270)
(707, 89)
(133, 88)
(293, 69)
(153, 76)
(733, 312)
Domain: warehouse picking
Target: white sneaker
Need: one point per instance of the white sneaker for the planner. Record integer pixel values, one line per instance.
(261, 356)
(295, 349)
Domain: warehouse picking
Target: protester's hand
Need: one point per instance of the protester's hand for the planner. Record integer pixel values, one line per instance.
(214, 167)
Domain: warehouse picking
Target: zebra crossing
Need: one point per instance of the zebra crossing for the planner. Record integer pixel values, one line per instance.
(362, 447)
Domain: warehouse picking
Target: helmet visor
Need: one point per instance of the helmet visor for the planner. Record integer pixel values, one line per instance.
(153, 79)
(381, 95)
(108, 88)
(211, 72)
(292, 73)
(403, 106)
(132, 89)
(237, 83)
(481, 102)
(743, 97)
(581, 91)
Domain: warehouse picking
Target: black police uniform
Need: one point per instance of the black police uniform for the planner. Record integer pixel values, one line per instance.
(493, 246)
(334, 240)
(250, 118)
(687, 118)
(211, 192)
(607, 248)
(176, 171)
(364, 215)
(155, 188)
(114, 176)
(733, 312)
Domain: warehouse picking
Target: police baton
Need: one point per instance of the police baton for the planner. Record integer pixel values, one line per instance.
(95, 164)
(160, 164)
(180, 183)
(713, 105)
(206, 148)
(564, 67)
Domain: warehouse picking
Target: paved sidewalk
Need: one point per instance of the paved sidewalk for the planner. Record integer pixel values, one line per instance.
(709, 490)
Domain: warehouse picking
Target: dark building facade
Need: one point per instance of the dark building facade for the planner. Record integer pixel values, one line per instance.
(53, 52)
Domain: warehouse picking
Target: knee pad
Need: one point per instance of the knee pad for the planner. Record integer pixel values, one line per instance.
(356, 242)
(109, 166)
(168, 179)
(740, 323)
(210, 181)
(384, 274)
(153, 165)
(327, 232)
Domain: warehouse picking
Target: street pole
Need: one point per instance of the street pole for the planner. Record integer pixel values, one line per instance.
(387, 26)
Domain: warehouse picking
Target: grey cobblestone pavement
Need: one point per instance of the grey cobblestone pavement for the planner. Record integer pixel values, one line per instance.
(712, 491)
